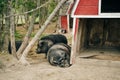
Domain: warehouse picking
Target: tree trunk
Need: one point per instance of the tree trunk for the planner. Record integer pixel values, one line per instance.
(27, 37)
(6, 35)
(12, 30)
(6, 31)
(38, 4)
(27, 16)
(27, 21)
(1, 31)
(38, 34)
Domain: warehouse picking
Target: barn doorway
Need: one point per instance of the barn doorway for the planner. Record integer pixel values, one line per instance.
(101, 39)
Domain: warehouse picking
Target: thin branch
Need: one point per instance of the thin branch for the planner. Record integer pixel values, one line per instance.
(29, 11)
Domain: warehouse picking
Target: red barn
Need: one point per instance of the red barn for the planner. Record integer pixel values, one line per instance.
(96, 23)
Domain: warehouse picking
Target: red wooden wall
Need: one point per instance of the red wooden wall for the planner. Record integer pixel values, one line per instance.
(87, 7)
(64, 22)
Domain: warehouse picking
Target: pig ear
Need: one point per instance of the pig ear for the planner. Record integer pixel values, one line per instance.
(50, 43)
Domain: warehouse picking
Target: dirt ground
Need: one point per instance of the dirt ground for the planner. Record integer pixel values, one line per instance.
(89, 65)
(83, 69)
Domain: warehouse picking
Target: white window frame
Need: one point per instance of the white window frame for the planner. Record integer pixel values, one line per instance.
(109, 15)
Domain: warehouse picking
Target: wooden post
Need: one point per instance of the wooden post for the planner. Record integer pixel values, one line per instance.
(78, 37)
(68, 28)
(74, 40)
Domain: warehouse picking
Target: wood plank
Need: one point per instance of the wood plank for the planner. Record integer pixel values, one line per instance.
(87, 10)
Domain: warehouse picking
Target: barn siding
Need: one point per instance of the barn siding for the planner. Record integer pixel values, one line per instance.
(87, 7)
(64, 22)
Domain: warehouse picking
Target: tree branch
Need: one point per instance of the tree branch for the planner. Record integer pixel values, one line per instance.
(29, 11)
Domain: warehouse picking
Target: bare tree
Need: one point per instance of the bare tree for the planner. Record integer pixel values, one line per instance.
(12, 30)
(6, 28)
(1, 31)
(38, 4)
(36, 37)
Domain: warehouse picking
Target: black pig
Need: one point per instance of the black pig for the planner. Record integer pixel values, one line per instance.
(47, 41)
(59, 55)
(17, 45)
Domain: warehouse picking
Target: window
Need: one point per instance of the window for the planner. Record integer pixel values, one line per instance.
(110, 6)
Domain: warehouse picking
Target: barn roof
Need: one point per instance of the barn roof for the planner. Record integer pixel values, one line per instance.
(96, 9)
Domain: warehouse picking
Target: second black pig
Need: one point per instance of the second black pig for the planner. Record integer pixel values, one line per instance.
(59, 55)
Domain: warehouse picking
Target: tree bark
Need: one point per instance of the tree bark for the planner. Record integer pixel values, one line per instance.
(6, 31)
(27, 21)
(36, 37)
(12, 30)
(1, 31)
(38, 4)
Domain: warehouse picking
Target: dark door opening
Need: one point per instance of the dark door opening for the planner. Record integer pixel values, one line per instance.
(101, 39)
(103, 33)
